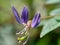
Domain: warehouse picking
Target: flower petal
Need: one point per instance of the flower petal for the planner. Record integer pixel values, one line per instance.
(35, 20)
(24, 16)
(16, 14)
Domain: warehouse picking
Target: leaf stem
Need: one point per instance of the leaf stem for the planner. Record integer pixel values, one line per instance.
(49, 17)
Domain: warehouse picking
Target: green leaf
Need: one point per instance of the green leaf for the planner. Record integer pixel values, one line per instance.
(55, 12)
(49, 26)
(57, 18)
(52, 1)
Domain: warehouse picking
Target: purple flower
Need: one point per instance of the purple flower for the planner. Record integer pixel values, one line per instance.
(24, 18)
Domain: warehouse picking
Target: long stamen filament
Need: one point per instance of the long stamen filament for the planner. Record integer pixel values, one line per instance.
(23, 36)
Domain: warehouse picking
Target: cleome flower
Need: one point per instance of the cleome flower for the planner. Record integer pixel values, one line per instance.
(27, 23)
(24, 18)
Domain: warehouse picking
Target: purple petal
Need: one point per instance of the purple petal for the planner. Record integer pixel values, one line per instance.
(24, 16)
(35, 20)
(16, 14)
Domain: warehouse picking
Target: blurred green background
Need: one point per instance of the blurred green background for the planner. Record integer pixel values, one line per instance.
(47, 32)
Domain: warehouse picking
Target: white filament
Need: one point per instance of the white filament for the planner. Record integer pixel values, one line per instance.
(22, 32)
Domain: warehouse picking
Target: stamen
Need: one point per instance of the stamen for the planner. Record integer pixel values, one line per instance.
(23, 36)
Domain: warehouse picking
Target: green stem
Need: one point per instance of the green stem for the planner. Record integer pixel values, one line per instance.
(49, 17)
